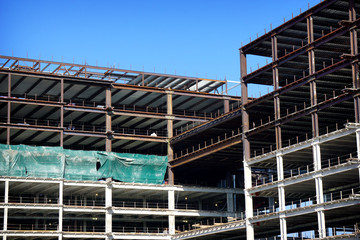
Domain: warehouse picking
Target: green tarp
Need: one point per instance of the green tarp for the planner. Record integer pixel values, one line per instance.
(56, 162)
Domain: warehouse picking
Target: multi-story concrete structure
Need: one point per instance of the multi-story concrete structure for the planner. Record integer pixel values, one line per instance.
(294, 151)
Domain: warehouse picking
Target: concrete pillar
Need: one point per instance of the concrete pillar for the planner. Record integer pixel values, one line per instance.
(319, 188)
(248, 202)
(281, 194)
(108, 206)
(61, 202)
(6, 201)
(358, 146)
(171, 206)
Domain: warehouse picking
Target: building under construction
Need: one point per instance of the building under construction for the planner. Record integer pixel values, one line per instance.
(103, 153)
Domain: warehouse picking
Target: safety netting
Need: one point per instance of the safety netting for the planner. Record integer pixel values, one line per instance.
(57, 162)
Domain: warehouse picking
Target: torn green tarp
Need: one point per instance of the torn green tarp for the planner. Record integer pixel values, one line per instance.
(56, 162)
(28, 161)
(80, 165)
(127, 167)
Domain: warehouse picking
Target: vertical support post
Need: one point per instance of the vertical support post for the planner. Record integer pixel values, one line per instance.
(230, 202)
(108, 141)
(313, 93)
(108, 206)
(278, 138)
(170, 134)
(9, 85)
(358, 146)
(319, 188)
(230, 205)
(226, 104)
(281, 195)
(354, 66)
(6, 201)
(246, 150)
(171, 204)
(275, 73)
(61, 202)
(8, 111)
(62, 112)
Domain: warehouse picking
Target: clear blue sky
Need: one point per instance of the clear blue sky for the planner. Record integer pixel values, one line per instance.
(192, 37)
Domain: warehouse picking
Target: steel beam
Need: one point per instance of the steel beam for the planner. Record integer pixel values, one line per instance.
(311, 58)
(354, 66)
(301, 82)
(108, 120)
(275, 74)
(211, 149)
(170, 150)
(8, 110)
(288, 24)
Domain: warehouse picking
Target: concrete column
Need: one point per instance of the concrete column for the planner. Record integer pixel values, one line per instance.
(108, 206)
(358, 147)
(170, 122)
(319, 188)
(249, 212)
(108, 141)
(171, 206)
(6, 201)
(61, 202)
(281, 195)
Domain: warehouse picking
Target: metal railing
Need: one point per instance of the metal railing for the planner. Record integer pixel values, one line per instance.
(33, 227)
(99, 202)
(307, 169)
(328, 197)
(141, 230)
(33, 199)
(210, 222)
(299, 138)
(334, 232)
(208, 143)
